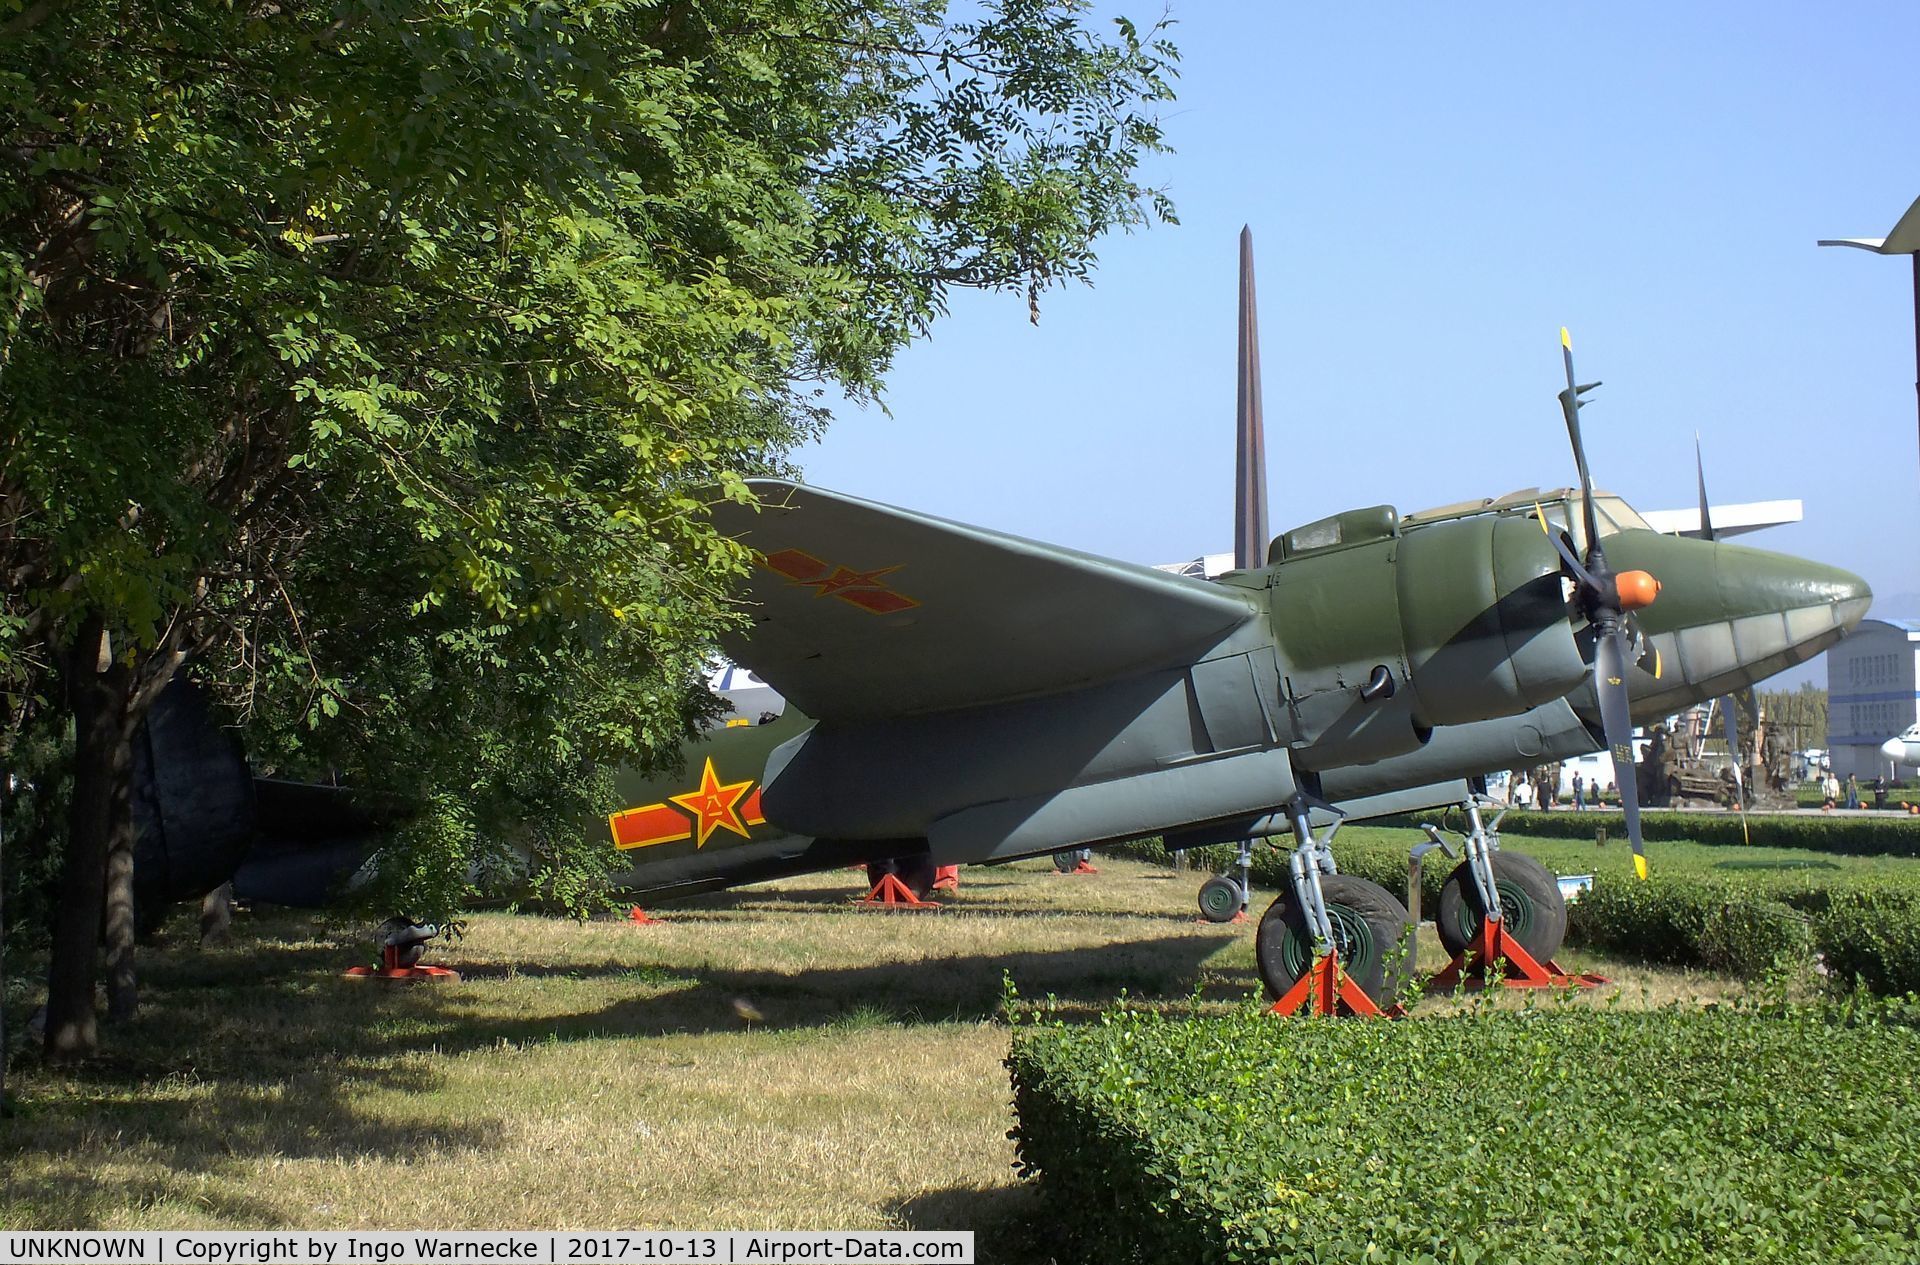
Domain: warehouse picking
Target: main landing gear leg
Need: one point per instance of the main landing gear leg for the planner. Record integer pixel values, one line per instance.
(1501, 912)
(1482, 842)
(1330, 945)
(1246, 878)
(1311, 858)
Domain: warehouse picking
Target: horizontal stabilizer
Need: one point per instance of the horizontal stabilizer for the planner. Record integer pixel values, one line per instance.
(861, 610)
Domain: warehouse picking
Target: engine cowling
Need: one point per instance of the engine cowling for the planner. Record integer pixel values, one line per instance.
(1383, 640)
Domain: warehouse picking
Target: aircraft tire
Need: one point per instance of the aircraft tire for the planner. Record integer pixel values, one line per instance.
(917, 872)
(1067, 861)
(1530, 899)
(1369, 933)
(1221, 899)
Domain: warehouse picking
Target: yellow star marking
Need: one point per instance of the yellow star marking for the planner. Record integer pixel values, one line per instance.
(714, 807)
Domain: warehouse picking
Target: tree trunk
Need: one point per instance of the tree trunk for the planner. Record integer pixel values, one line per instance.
(216, 915)
(97, 695)
(6, 788)
(123, 996)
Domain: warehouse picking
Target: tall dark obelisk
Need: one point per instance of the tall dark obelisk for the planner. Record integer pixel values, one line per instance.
(1250, 445)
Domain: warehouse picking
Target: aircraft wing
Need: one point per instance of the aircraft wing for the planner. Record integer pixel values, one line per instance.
(861, 610)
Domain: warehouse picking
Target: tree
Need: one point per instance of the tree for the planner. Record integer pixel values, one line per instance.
(381, 358)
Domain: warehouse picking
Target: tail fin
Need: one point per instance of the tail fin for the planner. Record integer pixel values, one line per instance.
(1250, 467)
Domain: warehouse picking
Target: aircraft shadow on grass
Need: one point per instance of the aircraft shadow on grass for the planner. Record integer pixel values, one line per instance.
(358, 1035)
(966, 988)
(208, 999)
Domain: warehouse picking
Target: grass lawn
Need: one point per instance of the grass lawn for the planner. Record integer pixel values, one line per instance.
(766, 1059)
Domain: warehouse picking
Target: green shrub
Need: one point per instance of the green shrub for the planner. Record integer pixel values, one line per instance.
(1575, 1136)
(1738, 928)
(1744, 912)
(1871, 937)
(1844, 836)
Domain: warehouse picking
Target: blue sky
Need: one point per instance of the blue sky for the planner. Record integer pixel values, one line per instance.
(1434, 191)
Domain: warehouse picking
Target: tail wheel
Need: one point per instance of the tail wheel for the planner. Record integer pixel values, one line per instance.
(1530, 902)
(1220, 899)
(917, 872)
(1066, 862)
(1370, 934)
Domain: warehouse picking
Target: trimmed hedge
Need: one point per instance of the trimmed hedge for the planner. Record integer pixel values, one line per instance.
(1739, 928)
(1862, 918)
(1889, 835)
(1871, 936)
(1573, 1136)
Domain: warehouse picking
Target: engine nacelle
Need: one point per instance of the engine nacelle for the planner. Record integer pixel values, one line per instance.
(1382, 640)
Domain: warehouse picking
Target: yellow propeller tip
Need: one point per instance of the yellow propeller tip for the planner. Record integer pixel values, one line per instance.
(1566, 339)
(1640, 865)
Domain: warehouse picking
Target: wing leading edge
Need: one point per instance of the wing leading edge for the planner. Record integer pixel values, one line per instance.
(862, 610)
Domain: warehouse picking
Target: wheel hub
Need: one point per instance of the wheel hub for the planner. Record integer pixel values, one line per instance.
(1353, 942)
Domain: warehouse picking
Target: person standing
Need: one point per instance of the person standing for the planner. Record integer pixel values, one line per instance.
(1853, 791)
(1579, 792)
(1522, 793)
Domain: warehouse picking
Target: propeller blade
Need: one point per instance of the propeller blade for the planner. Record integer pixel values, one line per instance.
(1733, 751)
(1646, 655)
(1610, 683)
(1575, 567)
(1570, 408)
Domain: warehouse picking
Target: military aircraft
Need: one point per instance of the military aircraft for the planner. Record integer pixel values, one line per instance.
(1904, 749)
(959, 695)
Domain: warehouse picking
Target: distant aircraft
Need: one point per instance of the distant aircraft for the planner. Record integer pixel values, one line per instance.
(1905, 749)
(959, 695)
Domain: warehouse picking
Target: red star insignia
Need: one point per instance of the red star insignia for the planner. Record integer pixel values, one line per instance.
(844, 578)
(714, 807)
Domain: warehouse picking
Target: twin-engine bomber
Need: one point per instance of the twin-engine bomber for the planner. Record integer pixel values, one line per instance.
(958, 695)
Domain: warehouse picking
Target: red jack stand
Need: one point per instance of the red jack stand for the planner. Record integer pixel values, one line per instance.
(1493, 945)
(639, 918)
(891, 893)
(946, 879)
(390, 969)
(1327, 990)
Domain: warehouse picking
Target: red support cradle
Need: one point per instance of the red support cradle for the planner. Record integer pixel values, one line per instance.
(390, 969)
(1326, 989)
(1493, 945)
(890, 893)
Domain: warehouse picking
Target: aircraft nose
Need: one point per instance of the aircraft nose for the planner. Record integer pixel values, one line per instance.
(1894, 749)
(1733, 615)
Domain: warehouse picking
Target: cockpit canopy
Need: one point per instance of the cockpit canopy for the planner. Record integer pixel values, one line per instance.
(1562, 506)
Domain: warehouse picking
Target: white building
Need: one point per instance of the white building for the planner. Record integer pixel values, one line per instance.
(1873, 693)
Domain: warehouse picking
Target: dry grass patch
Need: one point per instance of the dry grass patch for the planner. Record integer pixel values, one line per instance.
(764, 1059)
